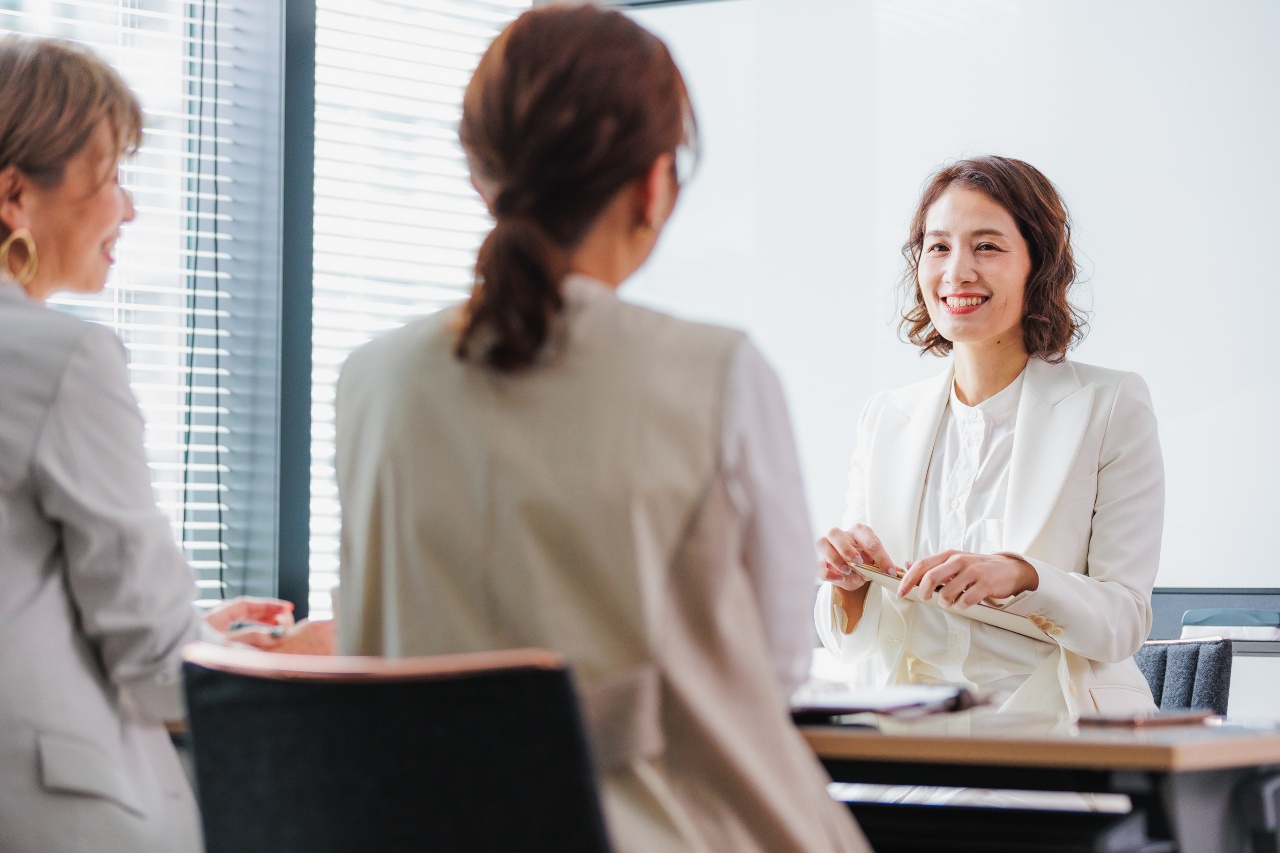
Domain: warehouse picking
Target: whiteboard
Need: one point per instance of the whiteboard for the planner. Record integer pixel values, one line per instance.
(1159, 123)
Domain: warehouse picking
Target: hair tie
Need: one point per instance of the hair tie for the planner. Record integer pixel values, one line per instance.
(514, 203)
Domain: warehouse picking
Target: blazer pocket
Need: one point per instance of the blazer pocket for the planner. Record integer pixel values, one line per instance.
(1121, 699)
(70, 765)
(1078, 490)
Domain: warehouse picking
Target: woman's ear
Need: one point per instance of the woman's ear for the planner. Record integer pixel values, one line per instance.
(658, 192)
(13, 190)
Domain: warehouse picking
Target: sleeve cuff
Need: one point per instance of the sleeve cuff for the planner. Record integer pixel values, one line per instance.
(829, 618)
(1027, 601)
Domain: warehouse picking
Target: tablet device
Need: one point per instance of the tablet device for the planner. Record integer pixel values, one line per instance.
(980, 612)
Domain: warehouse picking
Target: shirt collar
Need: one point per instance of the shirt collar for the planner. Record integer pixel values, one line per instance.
(1000, 405)
(580, 294)
(577, 287)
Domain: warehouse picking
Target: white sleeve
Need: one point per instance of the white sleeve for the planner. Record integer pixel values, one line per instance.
(861, 642)
(855, 511)
(1105, 615)
(127, 579)
(762, 475)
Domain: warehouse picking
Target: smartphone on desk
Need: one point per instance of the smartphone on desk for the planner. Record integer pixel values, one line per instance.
(1142, 721)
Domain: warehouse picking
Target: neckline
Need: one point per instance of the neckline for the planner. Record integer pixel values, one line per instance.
(1003, 402)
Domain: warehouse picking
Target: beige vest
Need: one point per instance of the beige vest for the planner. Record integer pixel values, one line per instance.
(578, 507)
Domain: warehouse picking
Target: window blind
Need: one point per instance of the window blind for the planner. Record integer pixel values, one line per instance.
(397, 222)
(187, 292)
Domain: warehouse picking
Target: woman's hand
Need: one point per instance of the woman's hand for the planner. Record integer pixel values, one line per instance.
(263, 611)
(962, 580)
(840, 550)
(304, 638)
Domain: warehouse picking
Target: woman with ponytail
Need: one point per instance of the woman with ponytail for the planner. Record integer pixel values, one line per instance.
(548, 465)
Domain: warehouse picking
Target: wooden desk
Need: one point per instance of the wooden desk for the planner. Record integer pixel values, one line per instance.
(1182, 777)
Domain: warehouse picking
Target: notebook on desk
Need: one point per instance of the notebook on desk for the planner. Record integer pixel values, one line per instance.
(819, 702)
(984, 613)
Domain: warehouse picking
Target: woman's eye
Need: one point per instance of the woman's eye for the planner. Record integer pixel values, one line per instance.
(937, 247)
(988, 247)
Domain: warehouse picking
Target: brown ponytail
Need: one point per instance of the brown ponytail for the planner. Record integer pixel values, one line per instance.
(567, 106)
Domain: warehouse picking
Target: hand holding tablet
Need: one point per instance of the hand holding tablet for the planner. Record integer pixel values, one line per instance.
(981, 612)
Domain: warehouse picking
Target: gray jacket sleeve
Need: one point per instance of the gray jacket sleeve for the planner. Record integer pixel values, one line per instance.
(128, 581)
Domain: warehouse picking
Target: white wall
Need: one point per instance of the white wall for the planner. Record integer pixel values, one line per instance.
(1255, 688)
(1159, 122)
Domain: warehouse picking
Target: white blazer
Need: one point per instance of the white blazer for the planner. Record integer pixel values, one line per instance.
(1085, 507)
(95, 601)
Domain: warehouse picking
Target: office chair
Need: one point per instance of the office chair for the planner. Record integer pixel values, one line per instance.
(1187, 674)
(473, 752)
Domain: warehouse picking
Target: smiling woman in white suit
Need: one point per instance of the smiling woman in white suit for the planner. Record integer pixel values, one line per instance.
(1016, 477)
(95, 595)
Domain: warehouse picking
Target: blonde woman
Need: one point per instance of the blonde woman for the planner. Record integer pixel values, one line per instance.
(95, 596)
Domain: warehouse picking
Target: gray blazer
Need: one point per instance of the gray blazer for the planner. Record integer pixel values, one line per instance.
(95, 601)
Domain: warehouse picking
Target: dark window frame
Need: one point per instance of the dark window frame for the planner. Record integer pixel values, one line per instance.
(293, 549)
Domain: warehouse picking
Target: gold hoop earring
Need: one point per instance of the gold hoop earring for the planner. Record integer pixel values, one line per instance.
(28, 272)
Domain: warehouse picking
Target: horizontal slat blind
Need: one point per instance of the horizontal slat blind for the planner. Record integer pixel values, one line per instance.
(167, 296)
(397, 222)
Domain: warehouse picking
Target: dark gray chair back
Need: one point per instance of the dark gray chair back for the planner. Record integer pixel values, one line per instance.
(453, 754)
(1187, 674)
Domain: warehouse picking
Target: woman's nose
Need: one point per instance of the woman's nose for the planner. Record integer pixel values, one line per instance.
(960, 268)
(129, 212)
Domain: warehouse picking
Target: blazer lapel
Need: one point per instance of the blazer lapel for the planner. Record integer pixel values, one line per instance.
(899, 466)
(1053, 414)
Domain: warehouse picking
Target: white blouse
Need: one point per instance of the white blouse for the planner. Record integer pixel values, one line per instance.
(962, 508)
(761, 472)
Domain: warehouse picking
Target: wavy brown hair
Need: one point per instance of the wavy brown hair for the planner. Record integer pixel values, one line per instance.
(53, 95)
(567, 106)
(1051, 325)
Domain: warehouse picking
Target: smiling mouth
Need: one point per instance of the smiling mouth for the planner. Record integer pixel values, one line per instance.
(964, 301)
